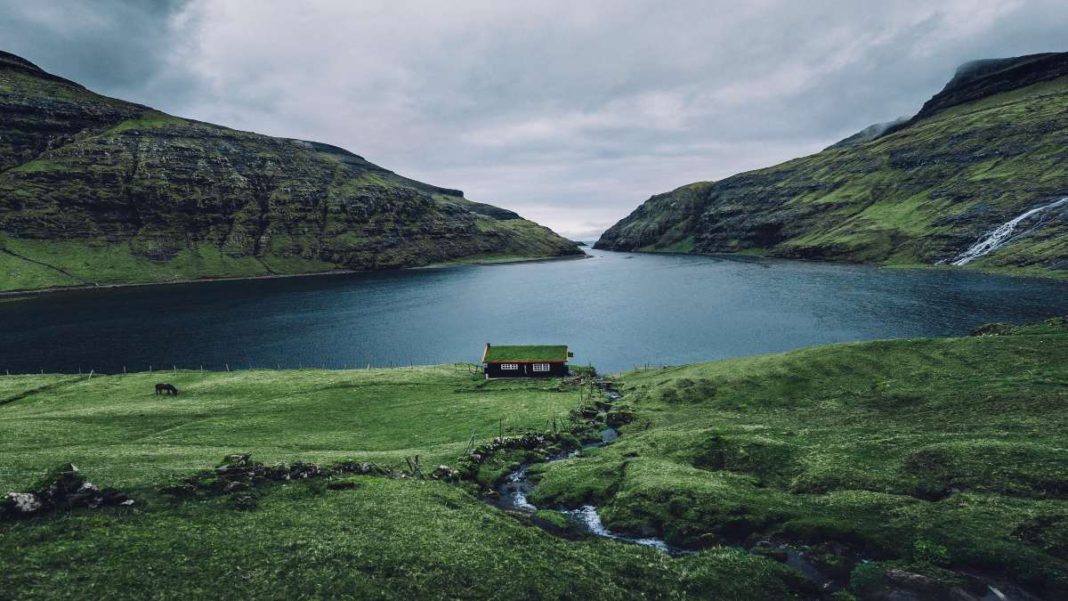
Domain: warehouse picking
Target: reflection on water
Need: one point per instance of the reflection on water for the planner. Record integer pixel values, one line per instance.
(616, 310)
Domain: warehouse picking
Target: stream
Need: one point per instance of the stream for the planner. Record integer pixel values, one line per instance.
(517, 486)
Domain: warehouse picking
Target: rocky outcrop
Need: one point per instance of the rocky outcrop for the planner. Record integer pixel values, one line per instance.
(989, 147)
(984, 78)
(133, 194)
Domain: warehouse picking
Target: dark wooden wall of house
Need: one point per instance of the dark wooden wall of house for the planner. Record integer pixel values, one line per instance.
(526, 370)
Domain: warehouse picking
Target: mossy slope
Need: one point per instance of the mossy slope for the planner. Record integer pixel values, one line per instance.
(939, 454)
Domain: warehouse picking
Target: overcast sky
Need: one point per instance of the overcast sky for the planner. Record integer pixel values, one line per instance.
(569, 112)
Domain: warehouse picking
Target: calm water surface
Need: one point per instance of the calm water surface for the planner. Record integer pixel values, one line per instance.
(616, 310)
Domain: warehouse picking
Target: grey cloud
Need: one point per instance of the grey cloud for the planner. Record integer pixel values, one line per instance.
(118, 47)
(571, 113)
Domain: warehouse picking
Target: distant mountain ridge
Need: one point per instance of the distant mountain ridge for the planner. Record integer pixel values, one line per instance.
(990, 146)
(95, 190)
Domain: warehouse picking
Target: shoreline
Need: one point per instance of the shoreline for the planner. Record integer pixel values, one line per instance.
(12, 295)
(1045, 275)
(492, 262)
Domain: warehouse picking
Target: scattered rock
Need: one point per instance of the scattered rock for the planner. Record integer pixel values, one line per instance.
(65, 488)
(239, 475)
(896, 584)
(619, 418)
(446, 473)
(24, 503)
(994, 329)
(361, 469)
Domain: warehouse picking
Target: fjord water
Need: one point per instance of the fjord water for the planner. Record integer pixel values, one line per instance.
(616, 310)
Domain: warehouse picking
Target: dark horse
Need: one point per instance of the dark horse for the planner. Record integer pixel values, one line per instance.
(166, 389)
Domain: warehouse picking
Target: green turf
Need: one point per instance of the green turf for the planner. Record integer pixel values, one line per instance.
(526, 353)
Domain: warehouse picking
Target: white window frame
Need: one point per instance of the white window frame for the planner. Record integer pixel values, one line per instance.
(542, 367)
(509, 367)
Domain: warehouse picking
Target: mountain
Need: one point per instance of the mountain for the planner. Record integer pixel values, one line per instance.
(988, 148)
(95, 190)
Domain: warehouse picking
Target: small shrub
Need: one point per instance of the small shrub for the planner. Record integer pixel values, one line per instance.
(685, 390)
(927, 551)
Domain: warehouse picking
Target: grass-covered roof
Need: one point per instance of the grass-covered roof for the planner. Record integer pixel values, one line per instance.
(548, 353)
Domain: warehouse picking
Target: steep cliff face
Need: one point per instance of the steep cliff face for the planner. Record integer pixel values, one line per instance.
(97, 190)
(990, 146)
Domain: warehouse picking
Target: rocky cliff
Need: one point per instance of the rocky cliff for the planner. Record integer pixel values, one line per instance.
(97, 190)
(989, 147)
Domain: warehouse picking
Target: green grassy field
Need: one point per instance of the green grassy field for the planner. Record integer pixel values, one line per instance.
(118, 430)
(940, 457)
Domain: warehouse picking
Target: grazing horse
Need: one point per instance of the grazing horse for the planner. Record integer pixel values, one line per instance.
(166, 389)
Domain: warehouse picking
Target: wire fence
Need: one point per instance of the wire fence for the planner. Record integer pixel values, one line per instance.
(230, 367)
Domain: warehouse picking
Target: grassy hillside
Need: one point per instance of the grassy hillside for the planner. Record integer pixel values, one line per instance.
(986, 149)
(933, 459)
(942, 457)
(95, 190)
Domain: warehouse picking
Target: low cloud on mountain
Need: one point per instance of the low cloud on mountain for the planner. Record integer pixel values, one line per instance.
(569, 113)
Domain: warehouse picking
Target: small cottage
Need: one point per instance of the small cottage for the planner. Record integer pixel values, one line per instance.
(541, 361)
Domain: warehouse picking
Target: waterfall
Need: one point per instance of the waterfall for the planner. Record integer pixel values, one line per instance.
(1000, 236)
